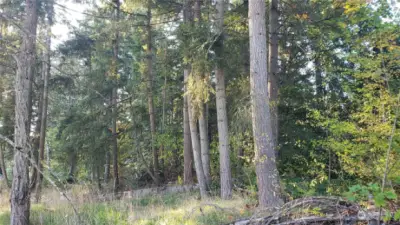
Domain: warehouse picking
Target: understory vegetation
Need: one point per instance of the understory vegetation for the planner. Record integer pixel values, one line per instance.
(245, 105)
(174, 209)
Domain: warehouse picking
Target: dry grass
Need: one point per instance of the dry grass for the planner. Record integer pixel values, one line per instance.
(94, 208)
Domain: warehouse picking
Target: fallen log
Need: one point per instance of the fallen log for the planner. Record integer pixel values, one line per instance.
(315, 211)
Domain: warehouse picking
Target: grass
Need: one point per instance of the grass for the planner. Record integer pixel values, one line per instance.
(171, 209)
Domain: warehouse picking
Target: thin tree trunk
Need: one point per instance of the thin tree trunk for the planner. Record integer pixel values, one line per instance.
(43, 124)
(72, 167)
(150, 94)
(187, 151)
(107, 167)
(36, 138)
(274, 69)
(223, 134)
(193, 128)
(266, 170)
(205, 147)
(20, 196)
(197, 10)
(114, 97)
(48, 157)
(3, 165)
(318, 78)
(164, 99)
(197, 152)
(187, 142)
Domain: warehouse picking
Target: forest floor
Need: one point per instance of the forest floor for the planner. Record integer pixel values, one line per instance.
(171, 209)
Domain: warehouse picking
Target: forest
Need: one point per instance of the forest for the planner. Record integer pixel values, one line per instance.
(117, 112)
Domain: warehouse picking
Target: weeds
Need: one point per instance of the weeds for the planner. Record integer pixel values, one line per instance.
(171, 209)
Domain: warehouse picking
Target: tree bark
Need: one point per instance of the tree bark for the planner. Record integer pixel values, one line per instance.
(274, 69)
(149, 56)
(205, 147)
(36, 137)
(197, 10)
(114, 97)
(107, 167)
(266, 170)
(20, 196)
(72, 167)
(318, 78)
(187, 142)
(197, 151)
(223, 135)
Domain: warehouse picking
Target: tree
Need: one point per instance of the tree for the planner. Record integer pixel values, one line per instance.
(187, 142)
(266, 170)
(114, 97)
(44, 102)
(149, 72)
(274, 68)
(223, 134)
(20, 196)
(193, 115)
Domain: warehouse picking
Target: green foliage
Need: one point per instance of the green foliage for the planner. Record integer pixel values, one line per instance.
(364, 193)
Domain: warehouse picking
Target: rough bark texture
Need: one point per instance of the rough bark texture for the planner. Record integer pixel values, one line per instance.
(196, 150)
(205, 147)
(267, 174)
(114, 97)
(223, 135)
(273, 68)
(20, 196)
(187, 142)
(150, 93)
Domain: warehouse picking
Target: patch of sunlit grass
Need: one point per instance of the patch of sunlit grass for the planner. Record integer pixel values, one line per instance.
(171, 209)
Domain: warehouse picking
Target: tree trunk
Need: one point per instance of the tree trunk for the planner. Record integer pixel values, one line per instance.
(223, 134)
(187, 142)
(20, 196)
(274, 69)
(107, 167)
(43, 124)
(197, 10)
(204, 145)
(267, 173)
(3, 165)
(197, 151)
(150, 94)
(114, 96)
(318, 78)
(48, 159)
(72, 167)
(193, 128)
(36, 138)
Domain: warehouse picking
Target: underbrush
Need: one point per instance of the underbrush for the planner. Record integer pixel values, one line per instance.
(171, 209)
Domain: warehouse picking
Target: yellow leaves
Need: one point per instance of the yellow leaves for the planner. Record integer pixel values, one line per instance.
(303, 16)
(352, 6)
(199, 89)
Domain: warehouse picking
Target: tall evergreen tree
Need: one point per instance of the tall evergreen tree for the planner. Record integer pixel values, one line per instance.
(267, 173)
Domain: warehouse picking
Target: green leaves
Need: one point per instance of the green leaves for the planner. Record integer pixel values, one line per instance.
(363, 193)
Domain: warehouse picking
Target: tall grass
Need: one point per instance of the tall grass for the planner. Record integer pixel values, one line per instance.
(171, 209)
